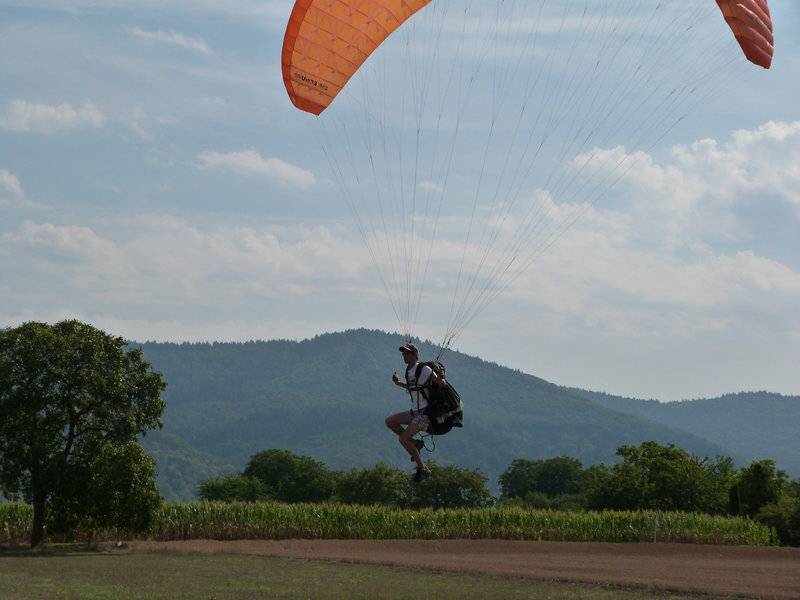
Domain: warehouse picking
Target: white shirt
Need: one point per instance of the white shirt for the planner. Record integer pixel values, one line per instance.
(418, 401)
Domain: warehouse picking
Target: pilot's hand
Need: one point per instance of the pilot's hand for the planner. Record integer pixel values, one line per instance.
(395, 378)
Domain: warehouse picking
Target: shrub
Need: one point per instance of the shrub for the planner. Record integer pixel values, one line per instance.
(451, 487)
(292, 478)
(374, 485)
(552, 477)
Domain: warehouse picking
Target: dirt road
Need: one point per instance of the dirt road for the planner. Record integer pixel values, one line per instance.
(768, 573)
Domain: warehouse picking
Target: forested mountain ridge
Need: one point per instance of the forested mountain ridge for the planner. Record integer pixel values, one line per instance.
(751, 425)
(327, 397)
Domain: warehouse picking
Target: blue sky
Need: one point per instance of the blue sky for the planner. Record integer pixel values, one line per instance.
(156, 181)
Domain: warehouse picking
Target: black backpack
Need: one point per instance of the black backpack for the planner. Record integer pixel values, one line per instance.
(445, 409)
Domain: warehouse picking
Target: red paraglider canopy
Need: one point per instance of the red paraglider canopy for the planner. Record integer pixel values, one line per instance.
(752, 25)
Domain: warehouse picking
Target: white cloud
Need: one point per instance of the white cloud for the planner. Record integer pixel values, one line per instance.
(137, 122)
(169, 261)
(11, 192)
(173, 38)
(763, 160)
(10, 184)
(710, 190)
(431, 186)
(22, 115)
(249, 162)
(58, 242)
(600, 281)
(679, 255)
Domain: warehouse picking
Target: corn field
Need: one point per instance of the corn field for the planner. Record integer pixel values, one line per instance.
(270, 520)
(15, 522)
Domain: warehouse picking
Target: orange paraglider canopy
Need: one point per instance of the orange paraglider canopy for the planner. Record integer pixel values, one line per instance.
(752, 25)
(327, 41)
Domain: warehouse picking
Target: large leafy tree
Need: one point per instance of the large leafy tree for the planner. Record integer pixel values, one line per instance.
(73, 400)
(653, 476)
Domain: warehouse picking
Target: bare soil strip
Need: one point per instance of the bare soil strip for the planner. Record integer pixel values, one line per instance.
(768, 573)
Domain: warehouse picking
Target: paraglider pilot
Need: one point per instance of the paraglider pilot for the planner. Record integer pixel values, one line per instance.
(415, 420)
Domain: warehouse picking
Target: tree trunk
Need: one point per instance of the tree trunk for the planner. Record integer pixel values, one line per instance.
(37, 532)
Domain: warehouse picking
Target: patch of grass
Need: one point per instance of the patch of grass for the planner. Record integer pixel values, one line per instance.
(70, 575)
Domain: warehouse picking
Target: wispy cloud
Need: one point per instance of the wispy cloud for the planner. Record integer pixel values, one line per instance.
(250, 162)
(77, 242)
(431, 186)
(22, 115)
(11, 192)
(10, 183)
(172, 38)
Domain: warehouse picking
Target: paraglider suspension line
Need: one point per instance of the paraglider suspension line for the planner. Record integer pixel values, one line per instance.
(427, 438)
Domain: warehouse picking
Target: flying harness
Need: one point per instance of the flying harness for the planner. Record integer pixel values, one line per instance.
(445, 409)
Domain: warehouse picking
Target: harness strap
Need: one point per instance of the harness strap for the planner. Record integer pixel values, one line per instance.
(422, 389)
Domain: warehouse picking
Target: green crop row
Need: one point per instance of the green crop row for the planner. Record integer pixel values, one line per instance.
(270, 520)
(15, 522)
(335, 521)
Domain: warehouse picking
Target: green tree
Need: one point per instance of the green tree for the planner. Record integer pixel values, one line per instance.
(759, 484)
(722, 475)
(593, 478)
(451, 487)
(519, 479)
(552, 477)
(292, 478)
(619, 488)
(793, 525)
(652, 476)
(784, 517)
(230, 488)
(793, 489)
(374, 485)
(68, 392)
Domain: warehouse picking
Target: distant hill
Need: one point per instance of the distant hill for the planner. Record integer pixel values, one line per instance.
(327, 397)
(751, 425)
